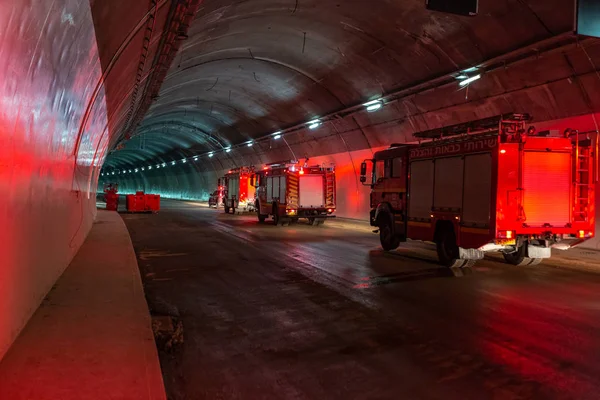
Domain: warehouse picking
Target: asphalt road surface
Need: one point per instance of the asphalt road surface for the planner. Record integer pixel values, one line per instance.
(304, 312)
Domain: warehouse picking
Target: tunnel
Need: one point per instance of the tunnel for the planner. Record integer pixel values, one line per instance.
(166, 96)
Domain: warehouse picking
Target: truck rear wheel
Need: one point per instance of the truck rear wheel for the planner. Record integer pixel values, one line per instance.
(447, 250)
(388, 240)
(261, 217)
(519, 257)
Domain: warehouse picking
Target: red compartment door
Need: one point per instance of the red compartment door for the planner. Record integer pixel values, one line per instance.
(547, 188)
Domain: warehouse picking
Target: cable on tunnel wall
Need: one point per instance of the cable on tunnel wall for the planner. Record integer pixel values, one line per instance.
(150, 25)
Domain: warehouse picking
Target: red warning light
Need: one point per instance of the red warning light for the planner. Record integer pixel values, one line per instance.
(301, 172)
(502, 151)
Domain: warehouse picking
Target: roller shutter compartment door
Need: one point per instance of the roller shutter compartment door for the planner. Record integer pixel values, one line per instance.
(420, 189)
(477, 189)
(448, 190)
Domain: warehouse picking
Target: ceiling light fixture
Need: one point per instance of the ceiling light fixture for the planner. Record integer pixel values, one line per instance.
(277, 135)
(373, 105)
(250, 144)
(211, 154)
(314, 124)
(469, 80)
(227, 150)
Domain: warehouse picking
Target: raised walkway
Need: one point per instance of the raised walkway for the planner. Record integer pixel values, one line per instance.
(91, 338)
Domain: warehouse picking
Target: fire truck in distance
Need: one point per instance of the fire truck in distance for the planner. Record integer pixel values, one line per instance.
(216, 198)
(288, 192)
(238, 193)
(488, 185)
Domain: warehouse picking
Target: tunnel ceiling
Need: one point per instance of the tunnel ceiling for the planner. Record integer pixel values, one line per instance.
(248, 68)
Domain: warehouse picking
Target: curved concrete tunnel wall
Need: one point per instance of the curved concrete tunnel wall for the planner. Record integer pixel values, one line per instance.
(50, 148)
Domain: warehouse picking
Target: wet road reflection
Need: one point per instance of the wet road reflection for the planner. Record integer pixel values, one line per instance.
(322, 312)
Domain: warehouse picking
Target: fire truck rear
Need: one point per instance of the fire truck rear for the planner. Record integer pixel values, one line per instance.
(288, 192)
(238, 191)
(488, 185)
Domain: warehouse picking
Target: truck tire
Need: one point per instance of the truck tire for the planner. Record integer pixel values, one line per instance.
(520, 259)
(261, 217)
(447, 249)
(388, 240)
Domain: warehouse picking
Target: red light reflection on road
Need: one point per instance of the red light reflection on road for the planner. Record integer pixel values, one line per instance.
(538, 337)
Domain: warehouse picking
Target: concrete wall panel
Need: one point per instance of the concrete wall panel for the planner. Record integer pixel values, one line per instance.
(49, 157)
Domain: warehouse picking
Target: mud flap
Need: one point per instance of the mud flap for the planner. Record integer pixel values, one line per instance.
(284, 221)
(470, 254)
(538, 251)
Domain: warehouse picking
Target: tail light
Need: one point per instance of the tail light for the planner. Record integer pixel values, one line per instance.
(506, 234)
(330, 210)
(584, 234)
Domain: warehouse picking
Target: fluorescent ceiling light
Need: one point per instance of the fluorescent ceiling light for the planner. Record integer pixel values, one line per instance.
(210, 154)
(472, 69)
(184, 161)
(149, 166)
(196, 158)
(250, 144)
(227, 150)
(372, 102)
(469, 80)
(462, 76)
(314, 123)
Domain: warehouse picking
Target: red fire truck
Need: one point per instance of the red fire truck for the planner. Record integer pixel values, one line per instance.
(487, 185)
(288, 192)
(238, 192)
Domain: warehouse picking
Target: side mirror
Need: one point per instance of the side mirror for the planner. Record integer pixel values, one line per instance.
(363, 169)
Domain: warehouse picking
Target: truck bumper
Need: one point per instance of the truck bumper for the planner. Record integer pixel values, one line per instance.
(311, 213)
